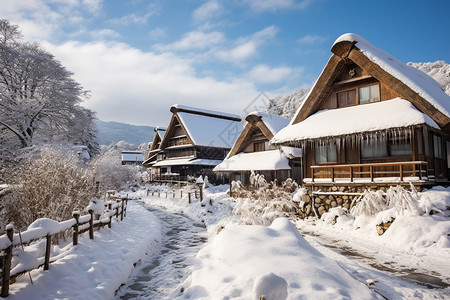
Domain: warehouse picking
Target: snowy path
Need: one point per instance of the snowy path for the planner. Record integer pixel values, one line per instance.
(396, 275)
(161, 273)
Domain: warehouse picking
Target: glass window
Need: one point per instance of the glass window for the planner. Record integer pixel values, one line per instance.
(400, 147)
(368, 94)
(373, 148)
(258, 146)
(347, 98)
(326, 153)
(437, 144)
(420, 141)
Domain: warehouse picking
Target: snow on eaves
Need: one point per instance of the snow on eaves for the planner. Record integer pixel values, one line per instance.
(395, 113)
(209, 131)
(418, 81)
(273, 122)
(256, 161)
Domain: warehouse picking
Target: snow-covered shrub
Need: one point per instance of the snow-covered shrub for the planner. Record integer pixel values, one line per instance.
(373, 202)
(109, 171)
(48, 185)
(403, 200)
(266, 203)
(370, 203)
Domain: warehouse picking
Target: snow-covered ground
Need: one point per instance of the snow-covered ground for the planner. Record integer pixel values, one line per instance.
(238, 260)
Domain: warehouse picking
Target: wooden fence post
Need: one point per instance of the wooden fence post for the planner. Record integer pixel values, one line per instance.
(166, 194)
(173, 194)
(125, 209)
(47, 250)
(110, 216)
(201, 194)
(117, 209)
(195, 194)
(91, 224)
(6, 267)
(159, 195)
(76, 215)
(121, 212)
(189, 197)
(181, 194)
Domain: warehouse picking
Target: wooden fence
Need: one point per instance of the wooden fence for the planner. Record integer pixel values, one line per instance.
(351, 172)
(79, 224)
(196, 194)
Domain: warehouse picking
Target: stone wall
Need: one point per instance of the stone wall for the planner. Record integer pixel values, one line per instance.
(319, 199)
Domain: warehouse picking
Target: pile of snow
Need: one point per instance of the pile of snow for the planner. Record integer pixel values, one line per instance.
(270, 287)
(229, 265)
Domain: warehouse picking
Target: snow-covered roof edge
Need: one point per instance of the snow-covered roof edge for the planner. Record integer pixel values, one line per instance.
(207, 112)
(273, 122)
(418, 81)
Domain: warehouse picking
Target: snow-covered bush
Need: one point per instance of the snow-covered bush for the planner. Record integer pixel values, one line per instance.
(370, 203)
(48, 185)
(109, 171)
(266, 203)
(373, 202)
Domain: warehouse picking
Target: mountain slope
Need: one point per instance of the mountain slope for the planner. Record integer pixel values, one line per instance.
(113, 132)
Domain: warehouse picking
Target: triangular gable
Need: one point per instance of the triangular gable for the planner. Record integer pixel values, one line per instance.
(159, 135)
(265, 123)
(175, 130)
(406, 81)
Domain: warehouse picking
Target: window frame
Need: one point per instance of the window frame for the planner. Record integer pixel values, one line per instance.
(356, 91)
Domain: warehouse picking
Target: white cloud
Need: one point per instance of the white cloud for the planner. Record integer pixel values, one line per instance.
(194, 40)
(207, 11)
(132, 86)
(311, 39)
(131, 19)
(247, 47)
(265, 74)
(157, 33)
(104, 34)
(274, 5)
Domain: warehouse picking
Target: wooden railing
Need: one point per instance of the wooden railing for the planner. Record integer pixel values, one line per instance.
(371, 171)
(80, 224)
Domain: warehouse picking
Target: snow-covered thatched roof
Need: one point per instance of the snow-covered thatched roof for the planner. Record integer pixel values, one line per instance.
(390, 114)
(263, 160)
(205, 127)
(273, 122)
(406, 81)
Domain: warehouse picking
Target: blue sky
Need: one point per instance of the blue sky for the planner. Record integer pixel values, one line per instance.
(139, 57)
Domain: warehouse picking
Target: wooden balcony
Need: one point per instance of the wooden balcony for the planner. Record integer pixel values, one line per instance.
(396, 172)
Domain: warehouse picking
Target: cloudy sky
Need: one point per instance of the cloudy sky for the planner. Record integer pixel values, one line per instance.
(138, 57)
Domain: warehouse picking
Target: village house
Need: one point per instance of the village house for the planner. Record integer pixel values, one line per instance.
(195, 141)
(132, 158)
(155, 146)
(253, 152)
(370, 120)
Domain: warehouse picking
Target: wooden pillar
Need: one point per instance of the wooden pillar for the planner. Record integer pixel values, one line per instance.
(420, 171)
(332, 174)
(110, 216)
(401, 172)
(371, 173)
(117, 209)
(6, 268)
(47, 250)
(76, 215)
(122, 211)
(91, 224)
(351, 174)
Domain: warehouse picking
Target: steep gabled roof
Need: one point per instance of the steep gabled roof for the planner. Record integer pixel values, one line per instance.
(205, 127)
(410, 83)
(269, 125)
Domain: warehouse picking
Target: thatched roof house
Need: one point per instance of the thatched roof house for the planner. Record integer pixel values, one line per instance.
(371, 118)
